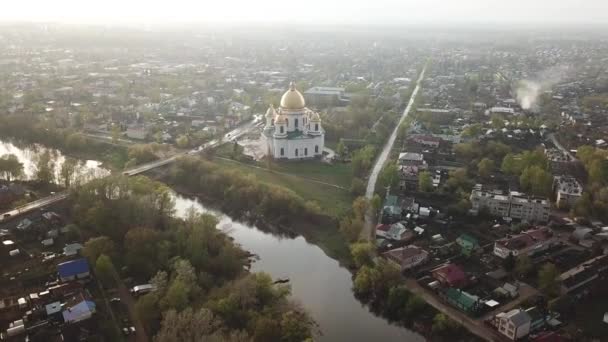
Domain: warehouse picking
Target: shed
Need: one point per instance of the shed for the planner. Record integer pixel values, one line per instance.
(72, 249)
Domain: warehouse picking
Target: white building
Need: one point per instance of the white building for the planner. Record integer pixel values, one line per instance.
(567, 191)
(514, 205)
(293, 131)
(514, 324)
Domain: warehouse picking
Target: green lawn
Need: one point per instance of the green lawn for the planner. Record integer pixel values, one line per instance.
(332, 201)
(338, 173)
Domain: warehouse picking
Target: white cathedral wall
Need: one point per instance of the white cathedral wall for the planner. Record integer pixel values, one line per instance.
(290, 146)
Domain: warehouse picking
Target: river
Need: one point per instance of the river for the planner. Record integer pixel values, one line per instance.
(29, 154)
(317, 281)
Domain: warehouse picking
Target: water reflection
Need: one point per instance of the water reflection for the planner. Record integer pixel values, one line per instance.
(29, 155)
(317, 281)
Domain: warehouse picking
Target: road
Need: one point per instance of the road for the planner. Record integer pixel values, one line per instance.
(553, 139)
(373, 177)
(475, 326)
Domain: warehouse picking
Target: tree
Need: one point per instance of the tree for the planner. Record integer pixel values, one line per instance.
(10, 167)
(363, 285)
(147, 309)
(341, 150)
(548, 280)
(362, 253)
(67, 171)
(360, 207)
(351, 228)
(45, 167)
(357, 187)
(115, 130)
(396, 302)
(425, 182)
(458, 180)
(376, 204)
(485, 167)
(177, 296)
(389, 176)
(509, 165)
(97, 246)
(295, 326)
(188, 325)
(415, 305)
(104, 270)
(182, 141)
(508, 263)
(536, 180)
(142, 251)
(523, 265)
(444, 325)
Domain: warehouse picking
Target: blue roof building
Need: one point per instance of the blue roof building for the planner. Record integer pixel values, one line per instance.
(73, 269)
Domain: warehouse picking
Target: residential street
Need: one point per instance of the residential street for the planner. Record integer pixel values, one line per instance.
(476, 327)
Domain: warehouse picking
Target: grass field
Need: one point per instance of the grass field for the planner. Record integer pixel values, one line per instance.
(333, 201)
(338, 173)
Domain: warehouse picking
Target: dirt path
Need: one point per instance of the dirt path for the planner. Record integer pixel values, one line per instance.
(127, 299)
(475, 326)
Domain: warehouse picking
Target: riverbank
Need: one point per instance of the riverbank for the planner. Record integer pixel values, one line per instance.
(322, 231)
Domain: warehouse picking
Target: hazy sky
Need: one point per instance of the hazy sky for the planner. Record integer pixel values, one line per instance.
(307, 11)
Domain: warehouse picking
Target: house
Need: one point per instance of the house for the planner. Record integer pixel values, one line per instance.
(584, 274)
(462, 300)
(514, 324)
(529, 242)
(391, 211)
(78, 308)
(407, 257)
(411, 159)
(25, 224)
(450, 275)
(396, 231)
(72, 249)
(537, 319)
(73, 270)
(507, 290)
(53, 309)
(467, 243)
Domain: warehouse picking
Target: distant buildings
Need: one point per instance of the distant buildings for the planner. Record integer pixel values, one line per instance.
(526, 243)
(326, 96)
(514, 205)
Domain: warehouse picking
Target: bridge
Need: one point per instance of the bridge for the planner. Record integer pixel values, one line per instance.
(137, 170)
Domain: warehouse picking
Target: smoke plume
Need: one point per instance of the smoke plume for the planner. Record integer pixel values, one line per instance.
(528, 91)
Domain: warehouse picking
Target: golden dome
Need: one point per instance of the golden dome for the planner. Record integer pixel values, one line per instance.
(314, 117)
(292, 99)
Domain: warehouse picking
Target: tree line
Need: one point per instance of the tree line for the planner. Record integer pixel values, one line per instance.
(202, 289)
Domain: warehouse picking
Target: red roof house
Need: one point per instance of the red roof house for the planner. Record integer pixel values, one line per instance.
(450, 275)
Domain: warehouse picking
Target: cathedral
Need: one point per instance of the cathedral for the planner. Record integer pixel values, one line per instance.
(293, 131)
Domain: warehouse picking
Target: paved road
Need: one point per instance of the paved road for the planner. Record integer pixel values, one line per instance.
(553, 139)
(475, 326)
(373, 177)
